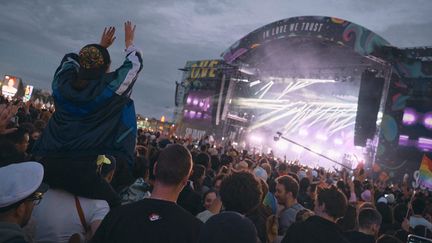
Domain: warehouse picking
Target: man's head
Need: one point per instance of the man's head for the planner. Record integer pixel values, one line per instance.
(369, 220)
(203, 159)
(20, 138)
(94, 61)
(286, 189)
(330, 203)
(173, 165)
(240, 192)
(21, 189)
(418, 206)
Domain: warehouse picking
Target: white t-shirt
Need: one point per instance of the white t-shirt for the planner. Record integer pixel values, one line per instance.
(56, 217)
(414, 221)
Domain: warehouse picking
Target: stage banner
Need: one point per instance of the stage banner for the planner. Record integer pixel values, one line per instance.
(342, 32)
(200, 91)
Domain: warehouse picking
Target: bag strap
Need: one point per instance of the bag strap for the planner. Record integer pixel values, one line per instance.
(81, 214)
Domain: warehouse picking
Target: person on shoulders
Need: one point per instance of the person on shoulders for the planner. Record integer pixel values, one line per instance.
(94, 114)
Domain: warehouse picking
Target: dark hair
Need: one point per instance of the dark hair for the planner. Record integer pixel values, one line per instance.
(289, 184)
(368, 217)
(9, 153)
(39, 125)
(282, 167)
(202, 159)
(240, 192)
(335, 201)
(17, 136)
(197, 172)
(386, 213)
(140, 167)
(173, 164)
(304, 184)
(399, 212)
(208, 192)
(348, 221)
(215, 163)
(418, 206)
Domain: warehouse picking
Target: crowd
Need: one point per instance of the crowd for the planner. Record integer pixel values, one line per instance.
(84, 173)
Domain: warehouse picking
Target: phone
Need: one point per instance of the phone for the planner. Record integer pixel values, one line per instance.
(418, 239)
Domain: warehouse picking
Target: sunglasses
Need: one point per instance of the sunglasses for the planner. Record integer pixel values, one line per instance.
(35, 198)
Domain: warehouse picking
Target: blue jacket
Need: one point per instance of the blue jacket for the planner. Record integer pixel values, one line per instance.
(97, 120)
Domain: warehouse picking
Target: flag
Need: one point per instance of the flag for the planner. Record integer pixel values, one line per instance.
(425, 175)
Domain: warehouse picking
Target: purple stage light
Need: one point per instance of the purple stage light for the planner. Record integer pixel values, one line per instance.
(409, 117)
(189, 100)
(427, 120)
(199, 114)
(403, 140)
(192, 114)
(195, 102)
(201, 104)
(424, 144)
(425, 141)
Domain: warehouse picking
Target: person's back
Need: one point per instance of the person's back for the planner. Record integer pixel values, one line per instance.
(149, 220)
(314, 230)
(159, 218)
(57, 218)
(369, 221)
(330, 205)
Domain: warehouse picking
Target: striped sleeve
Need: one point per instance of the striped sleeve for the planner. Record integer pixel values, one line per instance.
(127, 74)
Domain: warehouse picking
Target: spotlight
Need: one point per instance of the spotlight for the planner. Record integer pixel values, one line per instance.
(409, 117)
(255, 138)
(427, 121)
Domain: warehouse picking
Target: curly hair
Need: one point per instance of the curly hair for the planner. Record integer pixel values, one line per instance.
(240, 192)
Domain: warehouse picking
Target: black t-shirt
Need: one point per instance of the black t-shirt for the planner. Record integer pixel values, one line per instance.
(314, 230)
(149, 220)
(359, 237)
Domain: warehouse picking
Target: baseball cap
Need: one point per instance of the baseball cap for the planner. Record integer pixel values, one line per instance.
(94, 59)
(19, 181)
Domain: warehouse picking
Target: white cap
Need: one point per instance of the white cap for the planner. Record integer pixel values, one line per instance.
(18, 181)
(383, 200)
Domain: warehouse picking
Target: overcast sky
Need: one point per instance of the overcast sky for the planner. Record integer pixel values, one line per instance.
(35, 34)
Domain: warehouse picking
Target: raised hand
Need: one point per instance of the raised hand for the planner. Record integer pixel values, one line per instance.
(108, 37)
(129, 33)
(6, 113)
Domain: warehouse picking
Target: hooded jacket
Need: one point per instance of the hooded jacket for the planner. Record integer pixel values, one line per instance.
(100, 119)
